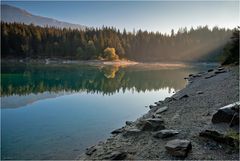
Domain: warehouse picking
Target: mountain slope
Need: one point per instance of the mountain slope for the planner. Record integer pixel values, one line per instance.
(14, 14)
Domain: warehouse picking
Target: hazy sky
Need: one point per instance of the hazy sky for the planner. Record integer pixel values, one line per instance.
(159, 16)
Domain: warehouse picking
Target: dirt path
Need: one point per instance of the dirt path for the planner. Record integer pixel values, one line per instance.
(189, 111)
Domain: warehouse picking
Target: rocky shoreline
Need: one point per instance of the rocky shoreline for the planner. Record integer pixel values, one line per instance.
(182, 126)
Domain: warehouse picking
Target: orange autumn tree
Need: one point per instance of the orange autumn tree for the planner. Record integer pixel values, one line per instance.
(110, 54)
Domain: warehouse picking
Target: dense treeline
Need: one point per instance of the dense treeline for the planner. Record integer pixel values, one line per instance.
(21, 41)
(231, 50)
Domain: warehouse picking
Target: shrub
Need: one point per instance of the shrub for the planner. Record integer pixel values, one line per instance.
(110, 54)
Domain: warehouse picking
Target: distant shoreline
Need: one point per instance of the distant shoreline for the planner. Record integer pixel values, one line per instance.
(106, 62)
(68, 61)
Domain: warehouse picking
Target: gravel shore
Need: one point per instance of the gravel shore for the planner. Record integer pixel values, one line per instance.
(189, 112)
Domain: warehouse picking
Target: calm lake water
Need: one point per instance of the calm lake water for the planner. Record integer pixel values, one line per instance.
(56, 111)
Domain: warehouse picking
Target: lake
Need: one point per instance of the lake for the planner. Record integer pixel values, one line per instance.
(56, 111)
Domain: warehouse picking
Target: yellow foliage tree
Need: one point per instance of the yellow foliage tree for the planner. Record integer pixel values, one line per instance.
(110, 54)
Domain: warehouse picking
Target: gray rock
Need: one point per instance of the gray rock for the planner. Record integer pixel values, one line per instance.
(198, 75)
(116, 155)
(210, 70)
(184, 96)
(220, 68)
(210, 76)
(117, 131)
(151, 106)
(156, 116)
(199, 92)
(221, 71)
(129, 122)
(165, 133)
(155, 120)
(221, 138)
(178, 148)
(90, 151)
(228, 114)
(158, 103)
(169, 99)
(151, 124)
(212, 135)
(161, 109)
(132, 131)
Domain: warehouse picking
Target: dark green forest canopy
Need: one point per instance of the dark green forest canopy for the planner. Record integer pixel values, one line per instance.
(231, 50)
(29, 41)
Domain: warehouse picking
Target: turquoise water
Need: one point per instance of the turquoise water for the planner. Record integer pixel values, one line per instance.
(56, 111)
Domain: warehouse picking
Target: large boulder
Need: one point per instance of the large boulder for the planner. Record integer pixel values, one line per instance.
(165, 133)
(228, 114)
(178, 148)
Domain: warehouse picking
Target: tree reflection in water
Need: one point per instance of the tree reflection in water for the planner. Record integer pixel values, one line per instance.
(24, 79)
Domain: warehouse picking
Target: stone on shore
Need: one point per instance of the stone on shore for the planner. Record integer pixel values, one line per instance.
(158, 103)
(221, 138)
(211, 134)
(132, 131)
(117, 131)
(210, 76)
(178, 148)
(161, 109)
(199, 92)
(156, 116)
(221, 71)
(165, 133)
(90, 151)
(184, 96)
(220, 68)
(198, 75)
(128, 122)
(169, 99)
(228, 114)
(151, 106)
(116, 155)
(151, 124)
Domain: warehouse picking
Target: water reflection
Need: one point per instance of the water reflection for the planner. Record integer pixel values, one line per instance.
(23, 79)
(94, 101)
(26, 83)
